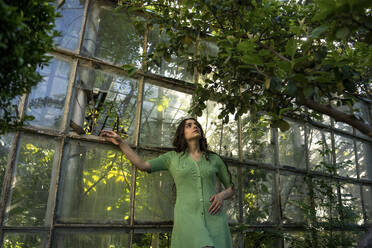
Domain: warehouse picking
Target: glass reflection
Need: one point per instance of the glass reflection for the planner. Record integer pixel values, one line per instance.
(95, 184)
(91, 238)
(30, 184)
(292, 146)
(345, 157)
(69, 25)
(47, 99)
(294, 198)
(111, 35)
(258, 200)
(104, 101)
(155, 194)
(162, 111)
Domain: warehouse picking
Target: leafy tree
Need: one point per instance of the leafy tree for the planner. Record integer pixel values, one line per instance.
(26, 36)
(274, 57)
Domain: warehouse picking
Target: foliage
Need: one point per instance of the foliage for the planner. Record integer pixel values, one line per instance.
(26, 36)
(273, 56)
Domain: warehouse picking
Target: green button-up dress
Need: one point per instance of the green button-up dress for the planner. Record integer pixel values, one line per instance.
(194, 226)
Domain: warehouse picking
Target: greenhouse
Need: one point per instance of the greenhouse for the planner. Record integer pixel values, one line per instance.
(64, 186)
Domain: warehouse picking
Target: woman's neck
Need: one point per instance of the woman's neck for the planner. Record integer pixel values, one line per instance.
(193, 146)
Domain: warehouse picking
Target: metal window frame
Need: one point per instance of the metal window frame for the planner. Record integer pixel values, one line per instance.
(184, 87)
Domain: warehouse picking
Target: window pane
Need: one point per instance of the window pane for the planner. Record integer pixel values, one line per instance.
(260, 239)
(361, 110)
(110, 35)
(256, 139)
(294, 198)
(351, 204)
(104, 101)
(29, 240)
(325, 200)
(258, 200)
(212, 126)
(95, 184)
(345, 157)
(153, 239)
(174, 67)
(231, 205)
(320, 151)
(314, 239)
(47, 99)
(69, 24)
(5, 145)
(340, 125)
(367, 198)
(208, 51)
(292, 146)
(346, 239)
(318, 117)
(230, 142)
(90, 238)
(155, 194)
(162, 111)
(364, 150)
(31, 181)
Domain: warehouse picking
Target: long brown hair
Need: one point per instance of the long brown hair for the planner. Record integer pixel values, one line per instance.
(180, 143)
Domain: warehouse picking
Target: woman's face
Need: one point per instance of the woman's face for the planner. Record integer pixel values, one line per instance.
(192, 130)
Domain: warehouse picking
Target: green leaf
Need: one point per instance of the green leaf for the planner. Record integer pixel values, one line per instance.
(245, 46)
(318, 31)
(252, 59)
(267, 83)
(130, 69)
(283, 125)
(275, 84)
(308, 92)
(342, 33)
(291, 47)
(291, 88)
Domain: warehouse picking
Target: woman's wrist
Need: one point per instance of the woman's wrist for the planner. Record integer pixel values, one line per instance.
(226, 194)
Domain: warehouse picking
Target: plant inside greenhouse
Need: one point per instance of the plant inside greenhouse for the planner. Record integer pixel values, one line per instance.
(281, 90)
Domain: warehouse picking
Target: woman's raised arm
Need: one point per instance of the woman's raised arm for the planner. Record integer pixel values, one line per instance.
(125, 148)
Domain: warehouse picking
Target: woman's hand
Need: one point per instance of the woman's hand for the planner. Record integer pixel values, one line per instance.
(217, 204)
(111, 136)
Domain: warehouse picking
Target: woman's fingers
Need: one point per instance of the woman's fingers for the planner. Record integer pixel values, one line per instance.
(215, 207)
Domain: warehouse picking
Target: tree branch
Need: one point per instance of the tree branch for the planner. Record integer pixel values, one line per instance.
(273, 52)
(339, 116)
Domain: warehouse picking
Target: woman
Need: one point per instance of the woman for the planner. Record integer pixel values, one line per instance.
(199, 219)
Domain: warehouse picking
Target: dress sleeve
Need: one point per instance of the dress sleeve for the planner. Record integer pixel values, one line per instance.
(160, 163)
(222, 173)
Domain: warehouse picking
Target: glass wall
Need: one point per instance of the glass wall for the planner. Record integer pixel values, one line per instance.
(63, 186)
